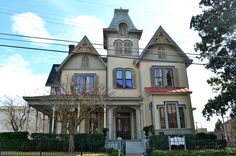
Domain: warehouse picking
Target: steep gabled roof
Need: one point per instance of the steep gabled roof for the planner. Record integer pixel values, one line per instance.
(84, 43)
(161, 36)
(53, 77)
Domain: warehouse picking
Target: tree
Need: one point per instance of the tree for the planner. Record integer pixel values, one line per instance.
(15, 109)
(216, 26)
(74, 105)
(219, 128)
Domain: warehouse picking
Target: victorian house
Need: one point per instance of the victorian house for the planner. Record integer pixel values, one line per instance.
(147, 88)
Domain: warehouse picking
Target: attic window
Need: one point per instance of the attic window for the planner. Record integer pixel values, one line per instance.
(85, 61)
(123, 29)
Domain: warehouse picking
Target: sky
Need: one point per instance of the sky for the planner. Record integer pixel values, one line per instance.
(24, 72)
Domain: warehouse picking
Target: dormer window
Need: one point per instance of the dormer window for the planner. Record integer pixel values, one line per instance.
(123, 29)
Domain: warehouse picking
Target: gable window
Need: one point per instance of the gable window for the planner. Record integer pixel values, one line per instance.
(85, 61)
(124, 78)
(161, 52)
(84, 83)
(172, 115)
(162, 76)
(123, 29)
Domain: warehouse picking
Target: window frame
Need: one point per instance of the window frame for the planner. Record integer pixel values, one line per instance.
(180, 124)
(120, 47)
(164, 76)
(85, 82)
(124, 78)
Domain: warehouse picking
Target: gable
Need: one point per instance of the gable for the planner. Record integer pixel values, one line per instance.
(162, 47)
(82, 61)
(84, 49)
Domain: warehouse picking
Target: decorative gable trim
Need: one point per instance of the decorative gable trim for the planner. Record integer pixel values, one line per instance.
(161, 37)
(83, 47)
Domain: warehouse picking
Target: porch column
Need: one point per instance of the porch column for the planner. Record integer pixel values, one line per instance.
(138, 123)
(43, 123)
(142, 118)
(53, 119)
(27, 117)
(36, 120)
(110, 123)
(105, 117)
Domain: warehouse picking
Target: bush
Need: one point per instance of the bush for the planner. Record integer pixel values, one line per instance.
(115, 153)
(49, 142)
(89, 142)
(14, 141)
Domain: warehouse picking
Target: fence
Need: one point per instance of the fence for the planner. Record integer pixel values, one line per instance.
(44, 149)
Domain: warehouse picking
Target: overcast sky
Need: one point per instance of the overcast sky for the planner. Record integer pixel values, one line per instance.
(24, 72)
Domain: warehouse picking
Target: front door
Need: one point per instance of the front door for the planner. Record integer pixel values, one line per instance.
(123, 126)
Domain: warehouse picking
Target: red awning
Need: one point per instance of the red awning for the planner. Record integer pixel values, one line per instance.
(167, 90)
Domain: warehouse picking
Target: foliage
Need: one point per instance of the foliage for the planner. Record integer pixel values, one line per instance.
(216, 27)
(149, 129)
(104, 131)
(193, 153)
(115, 153)
(11, 140)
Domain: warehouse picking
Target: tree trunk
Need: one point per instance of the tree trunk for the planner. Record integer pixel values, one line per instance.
(71, 143)
(64, 127)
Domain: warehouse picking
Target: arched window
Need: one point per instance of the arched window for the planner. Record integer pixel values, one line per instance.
(118, 46)
(128, 47)
(123, 29)
(161, 52)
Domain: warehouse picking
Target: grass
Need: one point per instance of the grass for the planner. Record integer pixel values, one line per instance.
(50, 154)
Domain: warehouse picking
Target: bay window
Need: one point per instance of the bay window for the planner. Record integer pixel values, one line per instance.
(171, 115)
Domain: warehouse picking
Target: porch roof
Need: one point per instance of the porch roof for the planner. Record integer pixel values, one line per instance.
(156, 90)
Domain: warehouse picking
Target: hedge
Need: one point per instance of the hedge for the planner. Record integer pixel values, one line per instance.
(19, 141)
(14, 141)
(198, 141)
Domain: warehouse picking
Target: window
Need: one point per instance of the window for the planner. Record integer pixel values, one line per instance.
(123, 47)
(181, 117)
(172, 116)
(162, 77)
(162, 117)
(161, 52)
(127, 47)
(124, 78)
(128, 79)
(84, 83)
(118, 46)
(57, 90)
(174, 113)
(119, 79)
(123, 29)
(93, 123)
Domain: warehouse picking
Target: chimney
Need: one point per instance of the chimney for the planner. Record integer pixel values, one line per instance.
(71, 48)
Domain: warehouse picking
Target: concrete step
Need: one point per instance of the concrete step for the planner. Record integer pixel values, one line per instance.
(134, 148)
